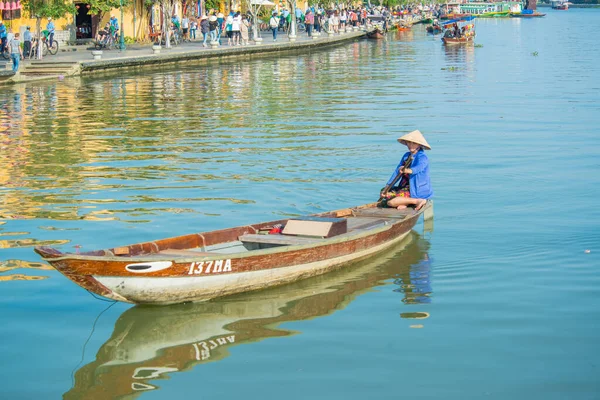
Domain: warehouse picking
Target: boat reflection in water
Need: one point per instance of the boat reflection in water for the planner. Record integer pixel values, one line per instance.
(150, 342)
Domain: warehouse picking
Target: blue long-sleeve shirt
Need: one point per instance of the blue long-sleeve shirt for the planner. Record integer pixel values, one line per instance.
(419, 181)
(2, 31)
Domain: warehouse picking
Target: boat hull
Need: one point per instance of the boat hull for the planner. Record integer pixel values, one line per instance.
(375, 35)
(454, 41)
(142, 290)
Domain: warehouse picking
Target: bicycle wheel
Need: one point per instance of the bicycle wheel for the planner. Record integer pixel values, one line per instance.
(301, 27)
(54, 48)
(5, 54)
(44, 49)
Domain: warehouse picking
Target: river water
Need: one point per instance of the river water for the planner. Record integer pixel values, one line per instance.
(499, 299)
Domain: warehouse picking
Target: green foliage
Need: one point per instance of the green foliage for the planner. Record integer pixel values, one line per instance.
(49, 8)
(100, 7)
(214, 4)
(129, 40)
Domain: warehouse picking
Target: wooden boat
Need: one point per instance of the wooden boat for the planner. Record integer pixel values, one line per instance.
(376, 33)
(460, 40)
(202, 266)
(403, 28)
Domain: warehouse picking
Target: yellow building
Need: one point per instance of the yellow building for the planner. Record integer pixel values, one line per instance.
(137, 18)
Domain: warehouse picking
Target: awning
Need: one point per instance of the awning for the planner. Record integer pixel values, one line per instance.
(463, 19)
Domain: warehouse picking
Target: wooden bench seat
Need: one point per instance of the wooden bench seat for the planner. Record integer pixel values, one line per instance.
(383, 212)
(280, 240)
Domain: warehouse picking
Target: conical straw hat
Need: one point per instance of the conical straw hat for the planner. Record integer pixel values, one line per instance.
(415, 137)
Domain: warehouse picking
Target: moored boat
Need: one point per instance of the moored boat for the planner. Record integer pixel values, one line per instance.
(206, 265)
(376, 33)
(560, 5)
(521, 15)
(460, 40)
(434, 29)
(454, 34)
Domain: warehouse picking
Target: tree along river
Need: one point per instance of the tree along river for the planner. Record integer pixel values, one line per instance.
(500, 300)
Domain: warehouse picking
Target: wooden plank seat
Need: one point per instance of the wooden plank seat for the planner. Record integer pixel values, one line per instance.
(357, 223)
(281, 240)
(383, 212)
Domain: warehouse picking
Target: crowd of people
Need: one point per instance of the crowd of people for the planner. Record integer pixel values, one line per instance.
(237, 27)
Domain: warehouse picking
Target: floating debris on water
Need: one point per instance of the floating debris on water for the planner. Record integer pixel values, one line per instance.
(587, 251)
(414, 315)
(478, 45)
(416, 326)
(535, 54)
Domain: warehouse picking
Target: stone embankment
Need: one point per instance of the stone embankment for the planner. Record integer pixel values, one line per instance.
(86, 61)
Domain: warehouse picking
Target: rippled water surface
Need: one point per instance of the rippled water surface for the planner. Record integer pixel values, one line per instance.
(501, 300)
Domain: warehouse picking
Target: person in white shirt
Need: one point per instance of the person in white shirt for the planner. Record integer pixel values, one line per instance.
(185, 27)
(235, 28)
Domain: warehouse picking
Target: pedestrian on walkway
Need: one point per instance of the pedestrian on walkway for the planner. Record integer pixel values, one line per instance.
(229, 28)
(205, 29)
(274, 25)
(220, 27)
(185, 27)
(236, 27)
(309, 21)
(3, 37)
(193, 27)
(27, 41)
(15, 51)
(213, 24)
(50, 28)
(244, 29)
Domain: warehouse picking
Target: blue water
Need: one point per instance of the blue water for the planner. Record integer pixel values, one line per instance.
(505, 293)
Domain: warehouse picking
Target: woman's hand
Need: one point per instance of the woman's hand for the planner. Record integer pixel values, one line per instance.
(407, 171)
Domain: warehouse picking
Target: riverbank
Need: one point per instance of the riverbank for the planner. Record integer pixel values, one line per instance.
(78, 62)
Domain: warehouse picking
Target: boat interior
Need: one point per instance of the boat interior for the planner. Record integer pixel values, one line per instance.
(297, 231)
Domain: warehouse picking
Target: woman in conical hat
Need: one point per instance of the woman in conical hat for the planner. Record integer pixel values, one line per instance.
(414, 186)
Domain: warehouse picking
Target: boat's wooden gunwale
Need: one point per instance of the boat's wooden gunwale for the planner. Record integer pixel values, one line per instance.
(156, 256)
(218, 256)
(109, 275)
